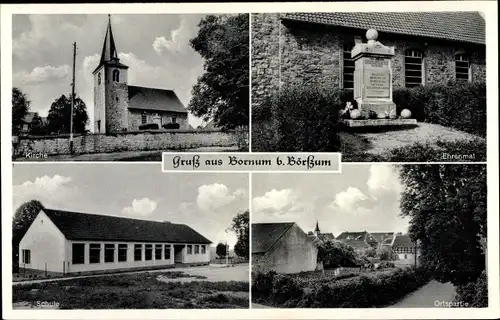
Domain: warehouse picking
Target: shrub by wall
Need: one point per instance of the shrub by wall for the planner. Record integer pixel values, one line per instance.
(457, 105)
(474, 293)
(299, 119)
(376, 290)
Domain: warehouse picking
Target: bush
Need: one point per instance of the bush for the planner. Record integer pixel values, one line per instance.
(262, 284)
(171, 126)
(149, 126)
(300, 119)
(457, 105)
(374, 290)
(386, 265)
(474, 293)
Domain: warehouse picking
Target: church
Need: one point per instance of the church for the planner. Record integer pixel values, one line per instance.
(120, 107)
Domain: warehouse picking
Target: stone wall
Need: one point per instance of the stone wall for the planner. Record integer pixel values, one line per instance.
(135, 118)
(116, 101)
(300, 53)
(130, 141)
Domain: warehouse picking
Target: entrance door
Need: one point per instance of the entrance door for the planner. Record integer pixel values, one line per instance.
(179, 253)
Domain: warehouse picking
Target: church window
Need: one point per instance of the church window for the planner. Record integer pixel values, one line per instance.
(116, 98)
(144, 118)
(348, 72)
(99, 78)
(98, 126)
(413, 68)
(116, 75)
(462, 67)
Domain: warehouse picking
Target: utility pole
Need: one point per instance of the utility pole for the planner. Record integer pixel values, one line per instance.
(72, 102)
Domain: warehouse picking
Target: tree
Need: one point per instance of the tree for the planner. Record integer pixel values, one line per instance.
(222, 92)
(336, 254)
(221, 250)
(58, 120)
(241, 227)
(446, 205)
(20, 106)
(23, 217)
(37, 126)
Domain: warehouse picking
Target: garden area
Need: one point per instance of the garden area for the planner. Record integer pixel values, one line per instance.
(451, 124)
(160, 290)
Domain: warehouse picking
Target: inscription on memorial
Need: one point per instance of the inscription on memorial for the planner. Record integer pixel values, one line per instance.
(377, 84)
(376, 63)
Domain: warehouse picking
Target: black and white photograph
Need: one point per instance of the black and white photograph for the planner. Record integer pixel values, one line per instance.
(375, 86)
(128, 86)
(374, 236)
(128, 237)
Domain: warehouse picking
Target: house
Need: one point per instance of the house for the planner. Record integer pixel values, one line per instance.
(315, 47)
(121, 107)
(404, 250)
(359, 241)
(380, 237)
(282, 247)
(65, 242)
(31, 120)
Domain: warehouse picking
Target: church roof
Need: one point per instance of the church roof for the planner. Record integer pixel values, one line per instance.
(265, 235)
(456, 26)
(109, 54)
(154, 99)
(84, 226)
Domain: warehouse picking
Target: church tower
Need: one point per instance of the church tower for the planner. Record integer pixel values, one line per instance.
(316, 231)
(110, 89)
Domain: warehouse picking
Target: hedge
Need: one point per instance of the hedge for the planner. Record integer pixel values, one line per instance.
(456, 105)
(474, 293)
(377, 290)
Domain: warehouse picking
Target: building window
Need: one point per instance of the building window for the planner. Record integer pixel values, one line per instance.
(196, 249)
(116, 75)
(26, 256)
(109, 253)
(138, 252)
(148, 252)
(462, 67)
(98, 125)
(167, 252)
(122, 252)
(94, 253)
(144, 118)
(174, 119)
(189, 249)
(99, 78)
(405, 257)
(348, 72)
(203, 249)
(413, 68)
(158, 251)
(78, 253)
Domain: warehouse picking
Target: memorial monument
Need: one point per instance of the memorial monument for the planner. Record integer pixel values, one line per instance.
(373, 84)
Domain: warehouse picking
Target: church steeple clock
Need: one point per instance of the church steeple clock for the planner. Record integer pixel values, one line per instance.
(110, 89)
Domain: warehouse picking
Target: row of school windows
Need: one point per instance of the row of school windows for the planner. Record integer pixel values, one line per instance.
(413, 67)
(144, 118)
(159, 251)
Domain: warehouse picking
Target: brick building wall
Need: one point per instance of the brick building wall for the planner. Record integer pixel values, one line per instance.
(116, 101)
(285, 53)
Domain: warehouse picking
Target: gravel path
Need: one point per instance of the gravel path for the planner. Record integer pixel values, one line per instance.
(427, 296)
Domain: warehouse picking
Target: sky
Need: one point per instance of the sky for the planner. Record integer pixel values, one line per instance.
(155, 47)
(205, 201)
(363, 197)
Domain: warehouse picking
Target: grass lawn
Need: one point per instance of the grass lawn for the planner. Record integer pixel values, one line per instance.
(136, 291)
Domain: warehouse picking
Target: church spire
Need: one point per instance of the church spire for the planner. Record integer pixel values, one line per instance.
(109, 52)
(317, 228)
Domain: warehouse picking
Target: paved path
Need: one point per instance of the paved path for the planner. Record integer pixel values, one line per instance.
(153, 155)
(239, 272)
(260, 306)
(381, 142)
(426, 296)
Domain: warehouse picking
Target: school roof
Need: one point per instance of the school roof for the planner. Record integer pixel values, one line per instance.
(264, 235)
(457, 26)
(84, 226)
(154, 99)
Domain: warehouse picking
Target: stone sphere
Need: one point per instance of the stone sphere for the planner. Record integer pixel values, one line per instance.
(371, 34)
(355, 114)
(406, 114)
